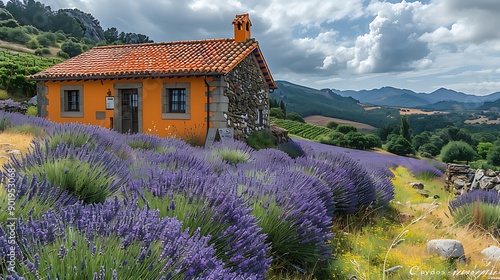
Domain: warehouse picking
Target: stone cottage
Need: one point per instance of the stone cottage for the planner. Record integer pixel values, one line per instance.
(189, 89)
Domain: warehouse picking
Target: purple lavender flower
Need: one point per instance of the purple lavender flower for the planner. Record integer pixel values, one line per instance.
(484, 196)
(62, 252)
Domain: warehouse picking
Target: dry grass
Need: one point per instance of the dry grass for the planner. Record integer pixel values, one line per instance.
(322, 121)
(431, 220)
(412, 111)
(16, 47)
(483, 120)
(13, 142)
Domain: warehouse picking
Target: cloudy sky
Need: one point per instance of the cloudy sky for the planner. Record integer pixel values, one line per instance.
(342, 44)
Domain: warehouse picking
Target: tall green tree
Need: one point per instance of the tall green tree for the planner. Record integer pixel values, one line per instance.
(283, 107)
(405, 129)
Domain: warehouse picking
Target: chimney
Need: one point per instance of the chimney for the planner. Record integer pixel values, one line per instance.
(241, 28)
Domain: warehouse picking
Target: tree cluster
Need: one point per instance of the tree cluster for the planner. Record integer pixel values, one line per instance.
(481, 149)
(32, 23)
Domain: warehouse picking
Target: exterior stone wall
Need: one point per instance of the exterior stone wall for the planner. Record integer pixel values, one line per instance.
(248, 95)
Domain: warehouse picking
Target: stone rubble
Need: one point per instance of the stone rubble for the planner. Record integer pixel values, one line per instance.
(460, 178)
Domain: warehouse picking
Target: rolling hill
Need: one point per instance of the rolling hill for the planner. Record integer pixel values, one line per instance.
(308, 101)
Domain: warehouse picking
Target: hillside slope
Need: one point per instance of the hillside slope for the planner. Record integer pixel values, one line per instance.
(308, 101)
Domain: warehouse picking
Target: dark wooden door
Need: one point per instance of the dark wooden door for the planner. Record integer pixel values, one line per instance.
(130, 116)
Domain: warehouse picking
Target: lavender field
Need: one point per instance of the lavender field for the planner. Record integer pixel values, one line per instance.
(89, 203)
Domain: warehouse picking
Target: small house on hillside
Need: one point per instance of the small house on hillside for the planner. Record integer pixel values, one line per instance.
(187, 89)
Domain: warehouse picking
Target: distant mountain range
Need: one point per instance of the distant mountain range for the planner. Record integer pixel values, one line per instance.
(308, 101)
(441, 99)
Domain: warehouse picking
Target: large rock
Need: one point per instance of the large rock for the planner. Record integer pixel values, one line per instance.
(448, 248)
(491, 253)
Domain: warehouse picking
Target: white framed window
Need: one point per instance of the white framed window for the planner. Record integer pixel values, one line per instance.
(176, 101)
(71, 98)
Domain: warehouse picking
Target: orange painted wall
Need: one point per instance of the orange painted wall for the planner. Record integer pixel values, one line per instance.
(94, 93)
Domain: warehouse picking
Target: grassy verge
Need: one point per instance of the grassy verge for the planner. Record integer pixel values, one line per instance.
(390, 241)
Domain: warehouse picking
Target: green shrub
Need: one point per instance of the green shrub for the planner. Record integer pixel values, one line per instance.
(481, 164)
(46, 51)
(276, 113)
(261, 140)
(32, 111)
(332, 125)
(483, 148)
(457, 151)
(31, 29)
(3, 94)
(71, 48)
(33, 44)
(62, 54)
(294, 117)
(334, 138)
(373, 141)
(18, 35)
(400, 146)
(46, 41)
(356, 140)
(428, 148)
(345, 128)
(60, 36)
(10, 23)
(493, 156)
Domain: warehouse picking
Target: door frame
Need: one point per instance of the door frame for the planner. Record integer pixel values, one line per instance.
(117, 120)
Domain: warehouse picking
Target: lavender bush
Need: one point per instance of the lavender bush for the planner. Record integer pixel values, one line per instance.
(34, 197)
(294, 210)
(89, 173)
(197, 197)
(478, 208)
(118, 240)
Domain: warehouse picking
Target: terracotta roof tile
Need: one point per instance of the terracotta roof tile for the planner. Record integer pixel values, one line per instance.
(202, 57)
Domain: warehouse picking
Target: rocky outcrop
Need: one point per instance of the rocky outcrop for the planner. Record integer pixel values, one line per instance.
(90, 25)
(460, 179)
